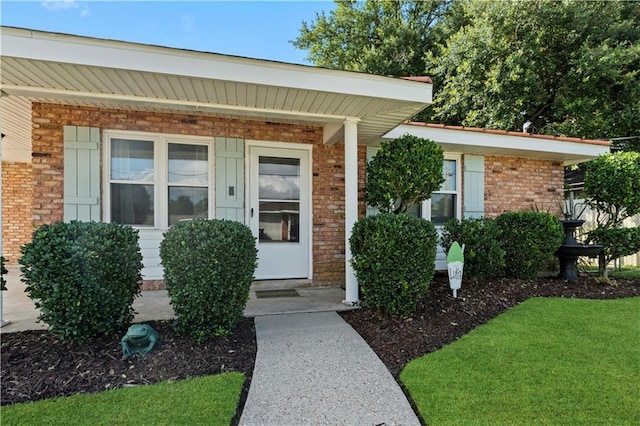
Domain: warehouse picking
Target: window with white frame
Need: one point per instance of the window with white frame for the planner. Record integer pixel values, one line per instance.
(445, 203)
(157, 180)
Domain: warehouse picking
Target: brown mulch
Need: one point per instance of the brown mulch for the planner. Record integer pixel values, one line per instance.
(36, 365)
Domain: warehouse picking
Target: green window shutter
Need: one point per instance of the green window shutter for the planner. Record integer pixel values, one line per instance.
(473, 186)
(230, 179)
(371, 152)
(81, 174)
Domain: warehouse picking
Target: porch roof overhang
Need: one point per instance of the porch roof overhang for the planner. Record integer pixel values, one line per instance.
(471, 140)
(60, 68)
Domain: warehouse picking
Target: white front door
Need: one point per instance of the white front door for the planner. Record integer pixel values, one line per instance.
(279, 210)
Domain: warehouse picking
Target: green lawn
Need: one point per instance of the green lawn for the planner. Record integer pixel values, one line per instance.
(546, 361)
(210, 400)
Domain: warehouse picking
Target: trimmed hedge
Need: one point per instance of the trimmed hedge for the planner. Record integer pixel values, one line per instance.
(394, 260)
(208, 270)
(483, 253)
(529, 240)
(83, 276)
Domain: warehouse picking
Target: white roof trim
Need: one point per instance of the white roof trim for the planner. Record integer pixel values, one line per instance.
(36, 45)
(456, 140)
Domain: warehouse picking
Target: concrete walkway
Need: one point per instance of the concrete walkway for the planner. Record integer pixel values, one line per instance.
(314, 369)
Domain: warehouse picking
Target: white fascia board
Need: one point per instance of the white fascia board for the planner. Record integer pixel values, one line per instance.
(492, 141)
(36, 45)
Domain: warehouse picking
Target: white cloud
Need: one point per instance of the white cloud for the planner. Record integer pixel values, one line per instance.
(56, 5)
(188, 23)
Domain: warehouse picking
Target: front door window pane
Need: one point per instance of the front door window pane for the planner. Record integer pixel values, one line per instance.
(279, 199)
(279, 178)
(188, 164)
(187, 203)
(279, 221)
(132, 204)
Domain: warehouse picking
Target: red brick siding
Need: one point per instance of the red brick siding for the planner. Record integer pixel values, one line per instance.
(16, 209)
(328, 166)
(516, 184)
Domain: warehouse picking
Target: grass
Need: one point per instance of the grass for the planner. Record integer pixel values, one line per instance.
(546, 361)
(210, 400)
(629, 274)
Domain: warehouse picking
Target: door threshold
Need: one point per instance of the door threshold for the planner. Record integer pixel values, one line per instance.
(262, 285)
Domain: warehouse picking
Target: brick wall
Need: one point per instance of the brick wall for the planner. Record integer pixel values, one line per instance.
(16, 209)
(328, 166)
(515, 184)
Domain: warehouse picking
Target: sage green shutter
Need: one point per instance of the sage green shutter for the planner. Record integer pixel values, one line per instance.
(230, 179)
(81, 173)
(371, 152)
(473, 186)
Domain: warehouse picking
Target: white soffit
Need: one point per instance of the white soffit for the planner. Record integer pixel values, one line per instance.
(86, 71)
(15, 124)
(497, 143)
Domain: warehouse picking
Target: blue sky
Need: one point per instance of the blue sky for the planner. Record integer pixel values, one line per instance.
(255, 29)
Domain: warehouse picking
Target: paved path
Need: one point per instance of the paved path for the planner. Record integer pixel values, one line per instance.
(314, 369)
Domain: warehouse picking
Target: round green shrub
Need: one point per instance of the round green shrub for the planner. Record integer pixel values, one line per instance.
(208, 270)
(483, 254)
(394, 260)
(529, 240)
(83, 276)
(403, 173)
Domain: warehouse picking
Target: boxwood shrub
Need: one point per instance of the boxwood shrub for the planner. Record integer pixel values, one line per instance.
(83, 276)
(483, 253)
(529, 240)
(394, 260)
(208, 270)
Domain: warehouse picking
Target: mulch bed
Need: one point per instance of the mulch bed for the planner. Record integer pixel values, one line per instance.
(36, 365)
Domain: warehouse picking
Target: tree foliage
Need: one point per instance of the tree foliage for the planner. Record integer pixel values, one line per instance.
(378, 37)
(612, 187)
(403, 173)
(572, 67)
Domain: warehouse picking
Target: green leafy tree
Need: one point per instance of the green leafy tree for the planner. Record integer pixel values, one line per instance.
(378, 37)
(570, 67)
(403, 173)
(612, 187)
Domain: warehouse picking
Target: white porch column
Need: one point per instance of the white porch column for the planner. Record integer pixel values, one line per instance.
(2, 321)
(350, 203)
